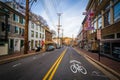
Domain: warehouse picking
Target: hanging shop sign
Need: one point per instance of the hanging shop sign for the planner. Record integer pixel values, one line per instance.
(89, 15)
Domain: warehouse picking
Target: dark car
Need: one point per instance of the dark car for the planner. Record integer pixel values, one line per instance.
(50, 48)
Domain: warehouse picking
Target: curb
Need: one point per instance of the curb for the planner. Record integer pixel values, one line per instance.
(3, 61)
(105, 67)
(116, 74)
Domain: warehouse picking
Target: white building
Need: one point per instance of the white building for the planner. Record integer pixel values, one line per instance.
(36, 31)
(16, 23)
(15, 26)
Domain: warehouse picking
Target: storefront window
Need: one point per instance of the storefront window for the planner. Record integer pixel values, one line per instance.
(116, 50)
(118, 35)
(106, 47)
(117, 12)
(112, 36)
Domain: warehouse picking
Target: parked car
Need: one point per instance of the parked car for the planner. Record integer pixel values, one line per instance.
(50, 48)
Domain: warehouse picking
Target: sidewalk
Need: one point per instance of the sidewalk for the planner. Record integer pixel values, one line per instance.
(112, 64)
(15, 56)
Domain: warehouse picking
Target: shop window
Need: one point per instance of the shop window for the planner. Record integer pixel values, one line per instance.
(118, 35)
(117, 12)
(112, 36)
(106, 47)
(116, 50)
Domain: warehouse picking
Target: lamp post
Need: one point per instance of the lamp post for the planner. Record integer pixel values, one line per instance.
(99, 42)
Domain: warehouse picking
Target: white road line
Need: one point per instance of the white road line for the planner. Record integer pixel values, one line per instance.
(18, 64)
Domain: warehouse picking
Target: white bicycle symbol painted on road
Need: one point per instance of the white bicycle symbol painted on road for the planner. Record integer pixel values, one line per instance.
(77, 67)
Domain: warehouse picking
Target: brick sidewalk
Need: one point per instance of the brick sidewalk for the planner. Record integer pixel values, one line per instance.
(14, 55)
(114, 65)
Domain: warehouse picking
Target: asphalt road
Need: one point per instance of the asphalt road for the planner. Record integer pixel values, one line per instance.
(60, 64)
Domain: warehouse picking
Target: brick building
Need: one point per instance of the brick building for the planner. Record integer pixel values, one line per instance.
(48, 37)
(105, 19)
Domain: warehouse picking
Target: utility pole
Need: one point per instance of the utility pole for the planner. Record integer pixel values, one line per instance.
(26, 28)
(59, 14)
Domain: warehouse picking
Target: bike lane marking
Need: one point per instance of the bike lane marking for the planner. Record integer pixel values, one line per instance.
(77, 66)
(54, 67)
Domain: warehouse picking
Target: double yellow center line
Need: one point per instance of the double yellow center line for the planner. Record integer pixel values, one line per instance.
(54, 67)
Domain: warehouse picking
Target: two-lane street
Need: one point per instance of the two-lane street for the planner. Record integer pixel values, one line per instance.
(60, 64)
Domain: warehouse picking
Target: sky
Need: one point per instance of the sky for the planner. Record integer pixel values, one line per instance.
(71, 14)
